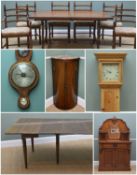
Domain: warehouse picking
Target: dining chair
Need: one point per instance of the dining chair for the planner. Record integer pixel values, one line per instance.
(91, 25)
(59, 6)
(10, 29)
(109, 24)
(35, 25)
(128, 17)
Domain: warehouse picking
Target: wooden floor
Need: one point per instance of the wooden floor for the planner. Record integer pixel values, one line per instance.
(75, 157)
(82, 42)
(53, 108)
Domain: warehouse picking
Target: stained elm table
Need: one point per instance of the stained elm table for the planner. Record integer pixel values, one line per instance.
(56, 15)
(33, 127)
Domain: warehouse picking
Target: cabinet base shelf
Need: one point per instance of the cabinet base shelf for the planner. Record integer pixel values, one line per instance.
(104, 169)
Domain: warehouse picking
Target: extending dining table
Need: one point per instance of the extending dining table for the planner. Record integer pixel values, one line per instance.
(45, 16)
(33, 127)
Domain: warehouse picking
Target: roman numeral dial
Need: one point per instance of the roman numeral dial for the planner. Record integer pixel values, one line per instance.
(110, 72)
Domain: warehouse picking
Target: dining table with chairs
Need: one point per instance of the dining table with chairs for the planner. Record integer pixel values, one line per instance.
(46, 16)
(42, 23)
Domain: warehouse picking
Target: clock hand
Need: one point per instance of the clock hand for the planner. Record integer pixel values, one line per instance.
(109, 71)
(22, 74)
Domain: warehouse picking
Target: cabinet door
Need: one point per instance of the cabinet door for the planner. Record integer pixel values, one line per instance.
(58, 71)
(110, 99)
(106, 159)
(122, 159)
(71, 83)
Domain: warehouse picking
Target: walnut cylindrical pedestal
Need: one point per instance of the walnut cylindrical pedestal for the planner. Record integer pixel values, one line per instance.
(65, 81)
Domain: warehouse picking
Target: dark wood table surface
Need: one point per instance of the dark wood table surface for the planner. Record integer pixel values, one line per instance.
(33, 127)
(70, 15)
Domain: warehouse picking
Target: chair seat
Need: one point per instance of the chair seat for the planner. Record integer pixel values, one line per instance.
(59, 23)
(24, 24)
(15, 31)
(84, 23)
(109, 23)
(125, 31)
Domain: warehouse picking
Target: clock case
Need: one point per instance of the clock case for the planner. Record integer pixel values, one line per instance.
(24, 91)
(114, 146)
(110, 90)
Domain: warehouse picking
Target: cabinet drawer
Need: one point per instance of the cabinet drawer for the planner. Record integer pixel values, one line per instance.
(126, 146)
(115, 145)
(106, 145)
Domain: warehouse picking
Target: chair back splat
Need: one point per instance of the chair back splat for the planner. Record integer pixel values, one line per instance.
(12, 15)
(79, 6)
(126, 16)
(64, 6)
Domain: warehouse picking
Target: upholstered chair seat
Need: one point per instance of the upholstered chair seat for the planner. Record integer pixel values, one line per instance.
(32, 22)
(109, 23)
(15, 31)
(125, 31)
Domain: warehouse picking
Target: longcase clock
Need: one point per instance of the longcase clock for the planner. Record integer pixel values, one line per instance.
(110, 70)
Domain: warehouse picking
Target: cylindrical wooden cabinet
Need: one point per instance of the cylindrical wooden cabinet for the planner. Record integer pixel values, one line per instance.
(65, 81)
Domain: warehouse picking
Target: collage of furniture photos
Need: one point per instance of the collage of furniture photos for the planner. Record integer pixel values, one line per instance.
(68, 87)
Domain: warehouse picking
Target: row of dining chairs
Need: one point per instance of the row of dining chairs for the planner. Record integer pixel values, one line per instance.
(24, 26)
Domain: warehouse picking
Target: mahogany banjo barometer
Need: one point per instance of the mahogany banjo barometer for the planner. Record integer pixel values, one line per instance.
(110, 70)
(23, 76)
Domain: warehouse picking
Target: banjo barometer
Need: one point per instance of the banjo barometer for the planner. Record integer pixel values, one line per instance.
(23, 76)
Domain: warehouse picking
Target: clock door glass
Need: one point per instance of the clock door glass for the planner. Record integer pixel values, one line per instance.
(23, 74)
(110, 72)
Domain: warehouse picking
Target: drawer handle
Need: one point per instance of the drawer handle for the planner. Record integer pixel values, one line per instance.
(114, 145)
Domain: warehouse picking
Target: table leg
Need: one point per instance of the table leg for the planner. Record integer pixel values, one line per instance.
(42, 23)
(46, 31)
(57, 148)
(24, 150)
(32, 143)
(98, 34)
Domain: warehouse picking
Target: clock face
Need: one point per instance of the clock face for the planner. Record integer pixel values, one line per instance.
(110, 72)
(114, 132)
(23, 74)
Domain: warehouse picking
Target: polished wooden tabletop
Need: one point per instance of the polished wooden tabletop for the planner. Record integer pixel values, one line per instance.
(71, 15)
(51, 126)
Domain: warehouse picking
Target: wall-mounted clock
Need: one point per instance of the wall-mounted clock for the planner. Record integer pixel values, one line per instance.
(110, 70)
(23, 76)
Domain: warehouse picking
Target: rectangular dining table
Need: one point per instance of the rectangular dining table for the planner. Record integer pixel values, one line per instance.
(33, 127)
(45, 16)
